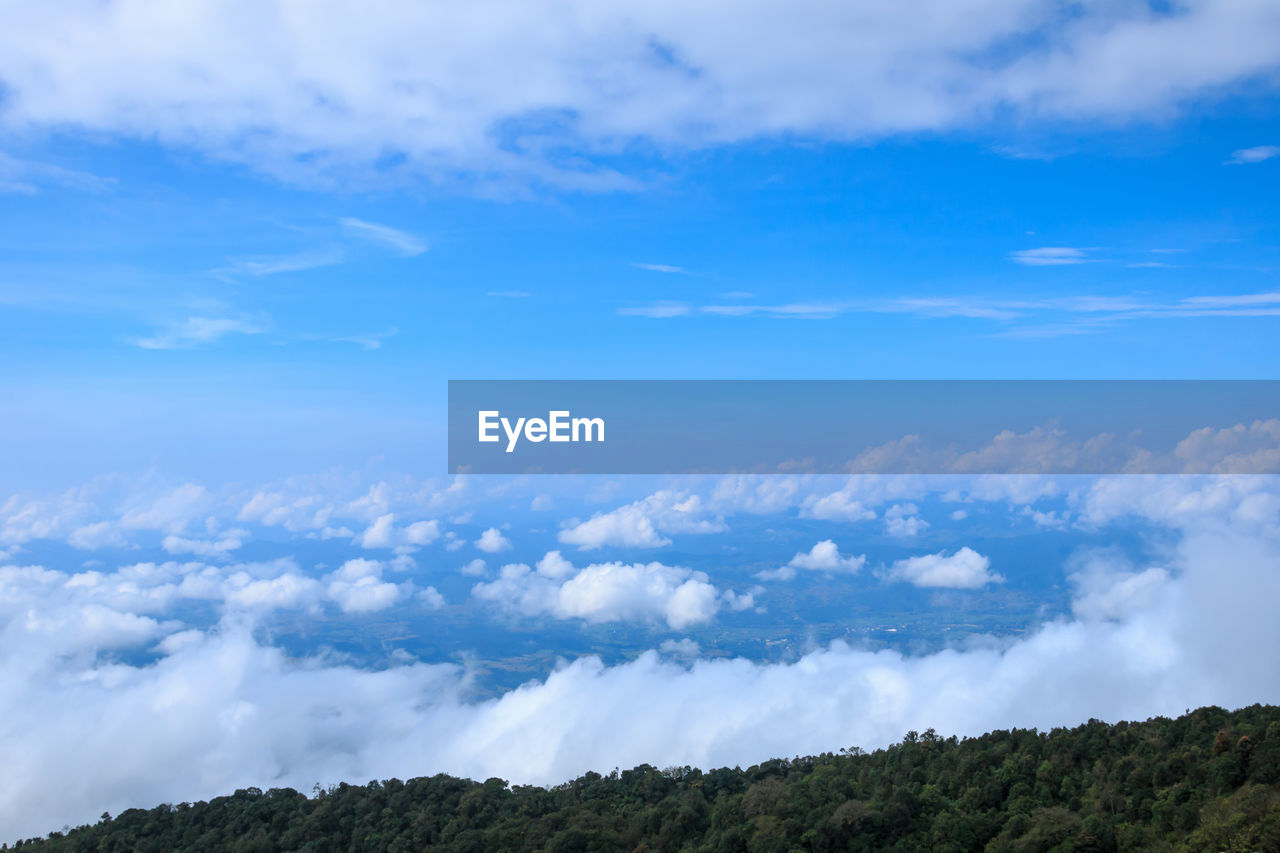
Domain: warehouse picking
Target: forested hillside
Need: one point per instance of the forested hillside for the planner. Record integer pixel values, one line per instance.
(1207, 781)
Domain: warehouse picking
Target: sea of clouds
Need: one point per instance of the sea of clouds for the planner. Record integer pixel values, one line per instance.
(220, 707)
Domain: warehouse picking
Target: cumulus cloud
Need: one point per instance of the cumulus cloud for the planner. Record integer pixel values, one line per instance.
(854, 500)
(755, 494)
(822, 557)
(965, 569)
(99, 534)
(682, 648)
(383, 533)
(1241, 449)
(230, 541)
(492, 541)
(324, 95)
(357, 587)
(643, 523)
(837, 506)
(628, 527)
(431, 598)
(903, 521)
(1109, 587)
(605, 592)
(1053, 519)
(282, 592)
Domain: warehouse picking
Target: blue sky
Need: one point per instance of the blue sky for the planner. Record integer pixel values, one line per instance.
(202, 291)
(243, 247)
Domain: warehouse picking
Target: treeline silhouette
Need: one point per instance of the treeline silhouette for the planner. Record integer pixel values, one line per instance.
(1209, 780)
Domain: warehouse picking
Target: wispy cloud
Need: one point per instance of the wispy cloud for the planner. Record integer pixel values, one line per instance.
(1231, 301)
(281, 264)
(658, 310)
(795, 310)
(1244, 156)
(955, 308)
(1018, 152)
(663, 268)
(403, 242)
(1050, 256)
(195, 331)
(26, 177)
(1021, 318)
(371, 341)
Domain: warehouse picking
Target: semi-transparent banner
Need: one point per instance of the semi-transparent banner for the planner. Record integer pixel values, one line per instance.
(864, 426)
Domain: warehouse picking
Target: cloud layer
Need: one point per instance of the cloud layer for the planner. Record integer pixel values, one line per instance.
(320, 92)
(109, 698)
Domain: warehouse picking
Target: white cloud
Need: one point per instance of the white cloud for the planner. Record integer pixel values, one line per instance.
(219, 710)
(402, 241)
(329, 94)
(657, 310)
(604, 592)
(682, 648)
(431, 598)
(230, 541)
(789, 310)
(195, 331)
(171, 511)
(662, 268)
(554, 566)
(99, 534)
(837, 506)
(297, 262)
(492, 541)
(383, 533)
(1256, 154)
(965, 569)
(1022, 318)
(1053, 519)
(27, 177)
(627, 527)
(357, 587)
(422, 532)
(902, 521)
(1108, 587)
(825, 556)
(1049, 256)
(643, 523)
(754, 493)
(286, 591)
(1242, 449)
(372, 341)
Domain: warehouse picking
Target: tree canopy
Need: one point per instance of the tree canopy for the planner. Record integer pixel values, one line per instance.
(1209, 780)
